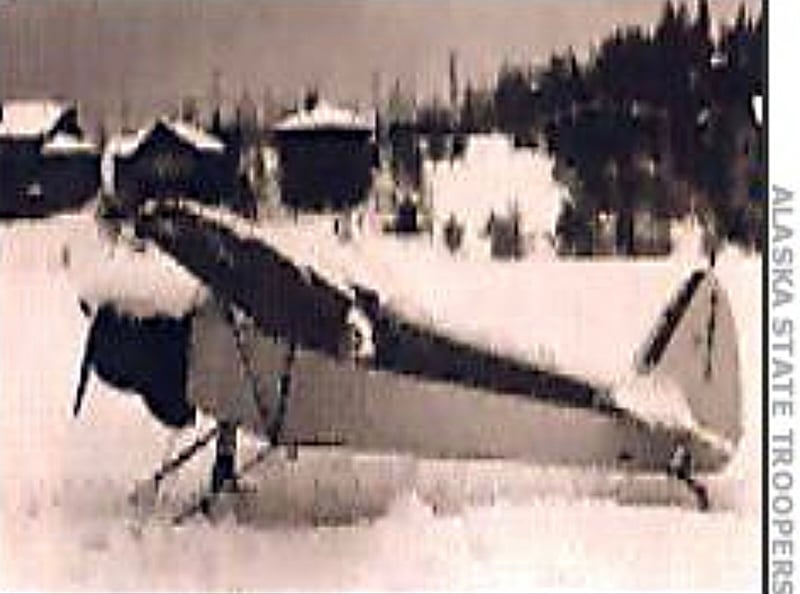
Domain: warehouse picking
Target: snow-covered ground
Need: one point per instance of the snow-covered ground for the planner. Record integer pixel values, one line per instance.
(67, 523)
(493, 177)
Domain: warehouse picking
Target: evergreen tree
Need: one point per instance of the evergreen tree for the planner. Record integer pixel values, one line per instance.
(659, 121)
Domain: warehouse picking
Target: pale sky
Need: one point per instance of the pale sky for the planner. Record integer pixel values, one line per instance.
(155, 52)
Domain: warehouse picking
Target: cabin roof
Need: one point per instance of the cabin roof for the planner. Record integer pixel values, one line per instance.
(324, 116)
(30, 118)
(126, 144)
(195, 136)
(68, 144)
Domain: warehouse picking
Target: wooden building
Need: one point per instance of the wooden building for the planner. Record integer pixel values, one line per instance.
(169, 159)
(45, 163)
(326, 155)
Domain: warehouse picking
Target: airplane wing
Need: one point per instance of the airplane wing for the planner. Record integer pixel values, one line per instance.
(298, 304)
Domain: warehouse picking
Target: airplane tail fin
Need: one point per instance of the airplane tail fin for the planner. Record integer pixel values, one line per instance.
(694, 346)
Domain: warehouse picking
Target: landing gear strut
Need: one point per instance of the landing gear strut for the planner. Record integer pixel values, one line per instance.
(681, 468)
(223, 473)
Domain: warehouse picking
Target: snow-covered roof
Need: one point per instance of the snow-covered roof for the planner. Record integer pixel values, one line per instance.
(195, 136)
(126, 144)
(68, 144)
(24, 118)
(324, 116)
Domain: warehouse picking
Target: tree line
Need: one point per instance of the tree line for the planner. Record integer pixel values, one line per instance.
(659, 120)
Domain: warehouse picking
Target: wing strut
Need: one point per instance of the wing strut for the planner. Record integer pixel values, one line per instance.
(205, 502)
(271, 417)
(224, 475)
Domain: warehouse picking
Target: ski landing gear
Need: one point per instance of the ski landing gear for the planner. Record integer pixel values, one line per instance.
(681, 468)
(145, 493)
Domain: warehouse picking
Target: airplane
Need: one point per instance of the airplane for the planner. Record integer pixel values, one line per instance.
(301, 356)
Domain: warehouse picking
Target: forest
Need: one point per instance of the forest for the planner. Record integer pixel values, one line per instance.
(663, 121)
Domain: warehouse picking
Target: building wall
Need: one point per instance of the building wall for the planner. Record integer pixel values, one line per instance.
(33, 185)
(324, 169)
(19, 166)
(70, 180)
(67, 124)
